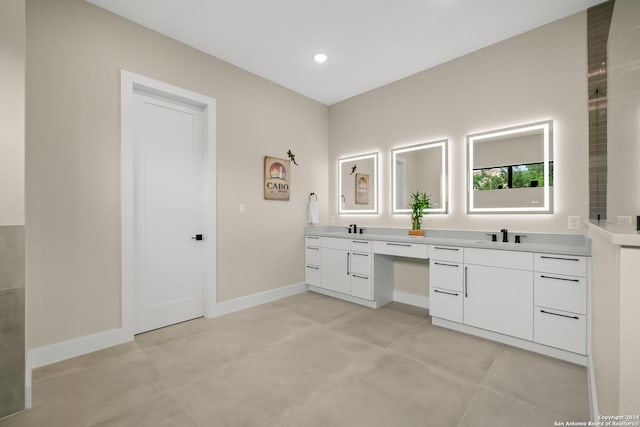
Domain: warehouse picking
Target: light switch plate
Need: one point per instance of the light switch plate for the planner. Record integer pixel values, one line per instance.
(574, 223)
(332, 219)
(242, 209)
(429, 221)
(624, 220)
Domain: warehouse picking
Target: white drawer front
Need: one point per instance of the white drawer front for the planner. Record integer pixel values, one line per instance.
(361, 287)
(360, 263)
(312, 275)
(445, 304)
(561, 264)
(446, 253)
(335, 243)
(498, 258)
(312, 255)
(361, 245)
(560, 329)
(411, 250)
(446, 275)
(312, 241)
(568, 293)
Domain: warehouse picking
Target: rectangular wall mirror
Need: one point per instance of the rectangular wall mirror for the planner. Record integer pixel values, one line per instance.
(510, 170)
(422, 168)
(358, 184)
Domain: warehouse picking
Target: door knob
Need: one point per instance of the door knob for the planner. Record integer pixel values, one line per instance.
(197, 237)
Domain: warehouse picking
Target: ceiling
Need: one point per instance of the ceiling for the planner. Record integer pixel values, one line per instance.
(370, 43)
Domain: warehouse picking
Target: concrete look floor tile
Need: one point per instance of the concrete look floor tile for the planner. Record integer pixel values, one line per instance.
(549, 384)
(320, 308)
(265, 384)
(163, 411)
(380, 327)
(91, 395)
(86, 361)
(393, 391)
(408, 309)
(491, 409)
(183, 361)
(465, 355)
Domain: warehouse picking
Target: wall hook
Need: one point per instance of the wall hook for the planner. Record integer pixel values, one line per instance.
(314, 195)
(353, 169)
(292, 157)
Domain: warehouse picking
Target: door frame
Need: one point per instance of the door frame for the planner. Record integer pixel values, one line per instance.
(131, 83)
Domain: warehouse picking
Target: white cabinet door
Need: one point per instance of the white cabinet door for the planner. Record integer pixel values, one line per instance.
(335, 272)
(499, 300)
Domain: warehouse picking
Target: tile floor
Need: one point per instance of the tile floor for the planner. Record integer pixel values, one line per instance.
(308, 360)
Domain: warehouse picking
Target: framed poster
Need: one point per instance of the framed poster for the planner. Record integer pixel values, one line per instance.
(276, 178)
(362, 189)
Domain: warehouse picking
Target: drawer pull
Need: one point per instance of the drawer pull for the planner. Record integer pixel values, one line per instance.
(405, 245)
(466, 293)
(559, 278)
(559, 258)
(561, 315)
(312, 267)
(443, 292)
(364, 242)
(448, 265)
(360, 277)
(356, 253)
(312, 248)
(313, 237)
(446, 249)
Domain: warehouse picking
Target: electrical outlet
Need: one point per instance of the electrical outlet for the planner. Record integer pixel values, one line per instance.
(624, 220)
(242, 208)
(429, 221)
(332, 219)
(574, 223)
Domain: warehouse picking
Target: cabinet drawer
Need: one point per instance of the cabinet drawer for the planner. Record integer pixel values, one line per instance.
(361, 245)
(312, 275)
(312, 241)
(361, 286)
(335, 243)
(360, 263)
(560, 329)
(568, 293)
(446, 253)
(498, 258)
(445, 275)
(561, 264)
(411, 250)
(445, 304)
(312, 255)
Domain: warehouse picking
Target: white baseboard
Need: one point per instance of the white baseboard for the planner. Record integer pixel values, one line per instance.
(411, 299)
(253, 300)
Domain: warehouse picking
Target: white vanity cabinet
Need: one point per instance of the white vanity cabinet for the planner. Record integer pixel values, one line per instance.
(344, 266)
(498, 291)
(560, 312)
(446, 282)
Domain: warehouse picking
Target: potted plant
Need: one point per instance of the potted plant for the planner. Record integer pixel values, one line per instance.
(418, 205)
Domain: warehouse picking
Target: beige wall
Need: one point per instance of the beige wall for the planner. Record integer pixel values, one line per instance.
(623, 139)
(75, 53)
(535, 76)
(12, 64)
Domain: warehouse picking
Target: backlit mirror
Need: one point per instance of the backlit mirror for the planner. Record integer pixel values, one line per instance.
(510, 170)
(422, 168)
(358, 184)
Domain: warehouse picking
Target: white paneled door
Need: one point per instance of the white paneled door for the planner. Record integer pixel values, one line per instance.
(168, 212)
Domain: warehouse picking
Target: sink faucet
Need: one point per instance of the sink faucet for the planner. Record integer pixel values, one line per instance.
(353, 228)
(505, 235)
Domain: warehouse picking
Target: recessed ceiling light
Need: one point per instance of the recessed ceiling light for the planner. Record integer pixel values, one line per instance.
(320, 57)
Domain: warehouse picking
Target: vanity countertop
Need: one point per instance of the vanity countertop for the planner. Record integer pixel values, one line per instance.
(565, 244)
